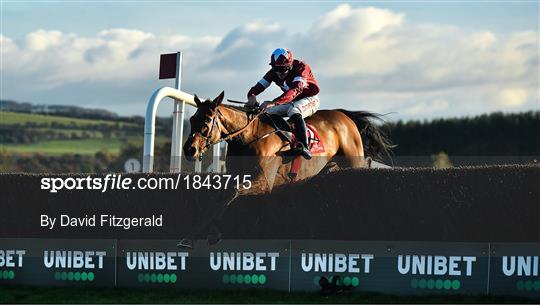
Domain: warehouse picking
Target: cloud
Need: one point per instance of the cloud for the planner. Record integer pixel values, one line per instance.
(41, 40)
(121, 55)
(481, 40)
(364, 57)
(244, 47)
(8, 46)
(116, 69)
(512, 97)
(366, 53)
(348, 42)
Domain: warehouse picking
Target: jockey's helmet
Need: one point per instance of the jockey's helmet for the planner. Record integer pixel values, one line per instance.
(281, 57)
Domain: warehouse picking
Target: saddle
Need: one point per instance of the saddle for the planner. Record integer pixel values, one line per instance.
(285, 131)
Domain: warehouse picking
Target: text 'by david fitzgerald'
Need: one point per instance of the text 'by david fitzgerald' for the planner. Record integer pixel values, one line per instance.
(50, 222)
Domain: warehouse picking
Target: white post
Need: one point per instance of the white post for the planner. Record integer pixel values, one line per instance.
(224, 164)
(216, 162)
(180, 100)
(198, 166)
(178, 122)
(150, 120)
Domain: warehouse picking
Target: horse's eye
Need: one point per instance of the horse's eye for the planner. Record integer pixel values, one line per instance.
(208, 120)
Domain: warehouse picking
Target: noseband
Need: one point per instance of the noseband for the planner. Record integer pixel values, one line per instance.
(207, 140)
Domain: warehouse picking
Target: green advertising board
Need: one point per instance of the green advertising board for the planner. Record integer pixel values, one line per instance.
(58, 262)
(231, 264)
(405, 268)
(514, 269)
(391, 267)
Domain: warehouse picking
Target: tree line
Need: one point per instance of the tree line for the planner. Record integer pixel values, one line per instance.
(485, 139)
(496, 134)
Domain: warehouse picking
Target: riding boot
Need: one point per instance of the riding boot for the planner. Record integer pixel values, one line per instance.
(301, 136)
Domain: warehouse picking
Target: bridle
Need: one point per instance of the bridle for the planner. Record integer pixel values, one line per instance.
(207, 139)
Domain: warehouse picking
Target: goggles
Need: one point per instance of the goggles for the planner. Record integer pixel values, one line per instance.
(281, 69)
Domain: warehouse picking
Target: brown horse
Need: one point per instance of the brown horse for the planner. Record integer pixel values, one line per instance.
(255, 148)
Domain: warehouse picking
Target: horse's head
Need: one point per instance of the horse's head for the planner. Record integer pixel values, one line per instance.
(205, 128)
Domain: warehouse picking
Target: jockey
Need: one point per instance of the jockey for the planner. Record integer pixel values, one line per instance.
(299, 99)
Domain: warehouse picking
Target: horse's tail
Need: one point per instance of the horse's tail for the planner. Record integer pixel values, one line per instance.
(376, 143)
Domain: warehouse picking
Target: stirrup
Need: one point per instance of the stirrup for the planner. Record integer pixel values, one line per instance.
(306, 154)
(300, 149)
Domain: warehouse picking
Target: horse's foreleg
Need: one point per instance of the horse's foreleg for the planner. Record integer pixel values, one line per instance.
(208, 223)
(214, 233)
(262, 182)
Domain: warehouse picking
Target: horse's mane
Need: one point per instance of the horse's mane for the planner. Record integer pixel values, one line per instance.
(238, 108)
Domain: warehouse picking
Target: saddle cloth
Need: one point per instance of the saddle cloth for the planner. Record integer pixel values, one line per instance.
(315, 146)
(283, 126)
(315, 143)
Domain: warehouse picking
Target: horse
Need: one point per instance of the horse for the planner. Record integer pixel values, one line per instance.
(257, 148)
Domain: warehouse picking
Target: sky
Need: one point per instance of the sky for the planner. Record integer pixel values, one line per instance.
(412, 59)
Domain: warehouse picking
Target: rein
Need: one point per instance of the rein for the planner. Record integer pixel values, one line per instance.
(228, 136)
(238, 132)
(233, 134)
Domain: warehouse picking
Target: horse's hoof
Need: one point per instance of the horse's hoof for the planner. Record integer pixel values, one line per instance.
(213, 238)
(185, 243)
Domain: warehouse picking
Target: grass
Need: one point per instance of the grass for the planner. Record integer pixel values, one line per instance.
(73, 126)
(59, 147)
(46, 295)
(69, 132)
(83, 146)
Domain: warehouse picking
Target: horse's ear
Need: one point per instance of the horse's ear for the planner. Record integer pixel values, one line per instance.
(217, 101)
(197, 101)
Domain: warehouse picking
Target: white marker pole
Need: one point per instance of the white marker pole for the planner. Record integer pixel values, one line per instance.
(178, 122)
(216, 162)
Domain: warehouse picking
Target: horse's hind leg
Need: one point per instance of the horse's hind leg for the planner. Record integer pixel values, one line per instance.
(330, 167)
(351, 154)
(351, 161)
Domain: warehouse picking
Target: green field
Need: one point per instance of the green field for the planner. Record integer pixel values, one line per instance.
(43, 295)
(82, 147)
(73, 135)
(59, 147)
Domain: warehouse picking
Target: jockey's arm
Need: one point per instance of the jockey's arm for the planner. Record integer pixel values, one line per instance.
(293, 92)
(260, 86)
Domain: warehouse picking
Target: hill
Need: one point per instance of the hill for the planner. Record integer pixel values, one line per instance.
(35, 138)
(60, 110)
